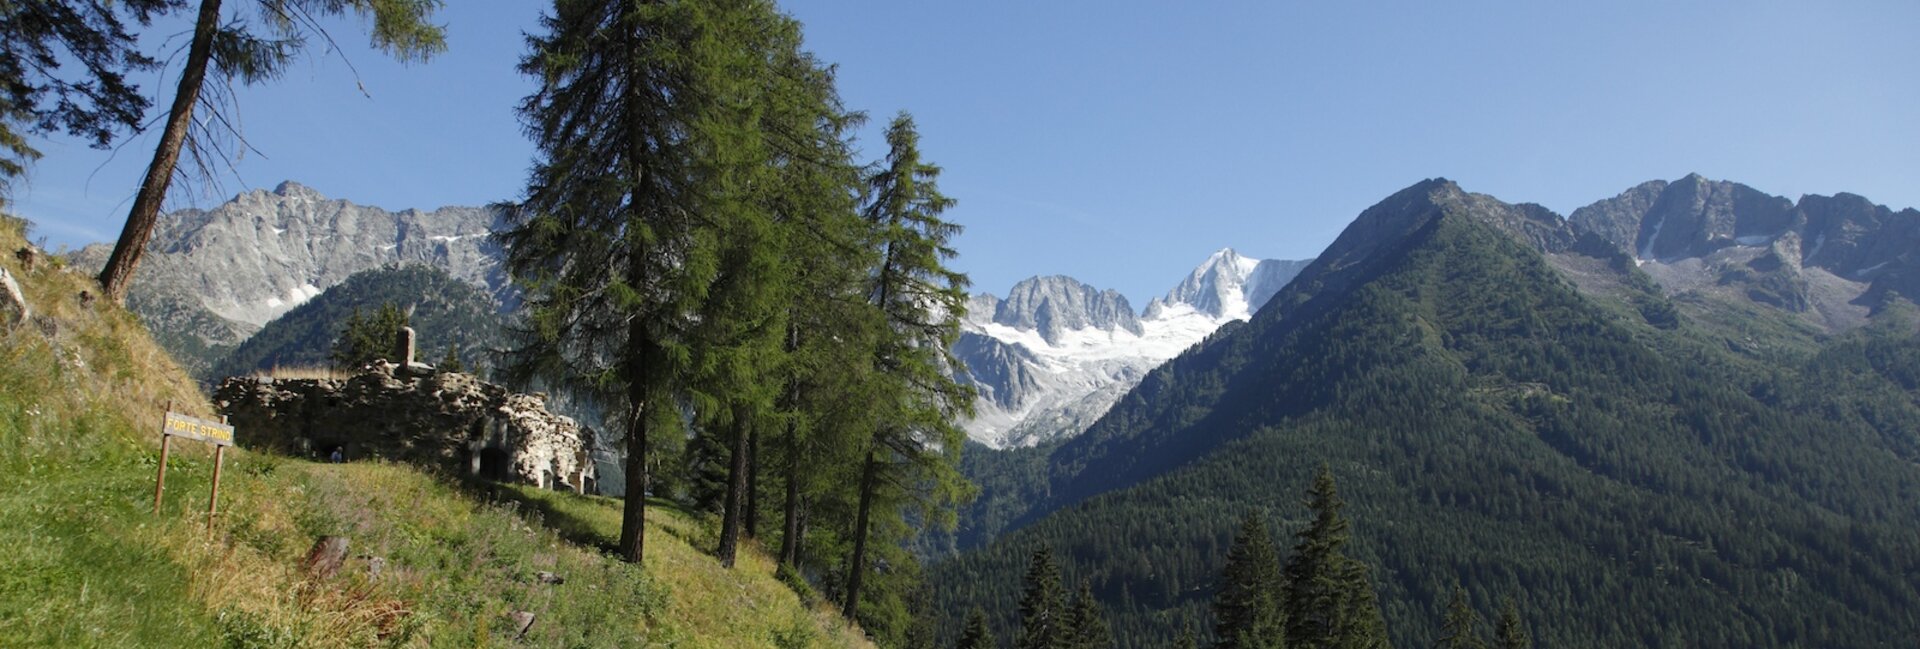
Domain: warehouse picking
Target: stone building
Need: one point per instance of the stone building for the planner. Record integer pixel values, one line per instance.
(411, 413)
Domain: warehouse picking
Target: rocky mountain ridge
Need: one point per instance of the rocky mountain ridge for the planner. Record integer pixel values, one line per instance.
(211, 278)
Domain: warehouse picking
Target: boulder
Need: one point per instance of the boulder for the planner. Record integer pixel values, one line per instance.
(13, 301)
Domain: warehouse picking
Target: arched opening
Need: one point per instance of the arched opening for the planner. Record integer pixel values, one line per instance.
(494, 464)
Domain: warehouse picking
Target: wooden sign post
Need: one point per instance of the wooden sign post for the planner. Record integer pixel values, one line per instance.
(219, 434)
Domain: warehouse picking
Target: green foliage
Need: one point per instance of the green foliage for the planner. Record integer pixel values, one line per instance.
(323, 330)
(1497, 429)
(976, 635)
(40, 94)
(363, 340)
(1457, 627)
(450, 361)
(1086, 624)
(1328, 601)
(1043, 614)
(1247, 609)
(1509, 632)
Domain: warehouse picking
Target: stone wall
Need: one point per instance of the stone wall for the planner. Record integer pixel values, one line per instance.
(448, 420)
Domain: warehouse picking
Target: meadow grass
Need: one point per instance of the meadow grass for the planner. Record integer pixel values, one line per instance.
(85, 562)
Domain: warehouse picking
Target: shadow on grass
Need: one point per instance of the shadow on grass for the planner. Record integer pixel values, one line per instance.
(562, 512)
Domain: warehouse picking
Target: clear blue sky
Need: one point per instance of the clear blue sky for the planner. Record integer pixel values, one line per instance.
(1121, 142)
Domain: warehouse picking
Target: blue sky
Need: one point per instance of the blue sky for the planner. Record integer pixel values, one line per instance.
(1121, 142)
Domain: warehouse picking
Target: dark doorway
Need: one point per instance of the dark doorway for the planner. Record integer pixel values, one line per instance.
(494, 464)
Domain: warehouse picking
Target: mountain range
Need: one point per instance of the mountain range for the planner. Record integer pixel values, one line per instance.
(1656, 422)
(212, 278)
(1053, 355)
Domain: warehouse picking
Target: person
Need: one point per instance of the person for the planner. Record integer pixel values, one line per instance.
(337, 456)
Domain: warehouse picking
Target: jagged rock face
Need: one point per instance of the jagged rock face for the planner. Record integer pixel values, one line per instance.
(1831, 257)
(1056, 304)
(211, 278)
(1050, 359)
(448, 420)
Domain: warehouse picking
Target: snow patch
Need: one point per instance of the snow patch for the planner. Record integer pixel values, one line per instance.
(1754, 240)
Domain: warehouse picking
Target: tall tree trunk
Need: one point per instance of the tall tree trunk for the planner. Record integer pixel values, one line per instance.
(118, 274)
(731, 515)
(633, 517)
(857, 568)
(752, 521)
(633, 514)
(790, 531)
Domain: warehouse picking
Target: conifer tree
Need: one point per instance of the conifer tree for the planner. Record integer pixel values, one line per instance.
(1457, 627)
(1509, 633)
(1086, 626)
(1329, 602)
(914, 441)
(621, 233)
(450, 361)
(1042, 606)
(41, 43)
(1247, 611)
(1187, 639)
(250, 48)
(976, 635)
(366, 339)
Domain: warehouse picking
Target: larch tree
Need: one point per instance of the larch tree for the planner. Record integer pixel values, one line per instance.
(249, 47)
(1247, 610)
(1329, 601)
(913, 449)
(613, 244)
(794, 181)
(64, 67)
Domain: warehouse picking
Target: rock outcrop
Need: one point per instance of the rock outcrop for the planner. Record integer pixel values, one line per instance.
(448, 420)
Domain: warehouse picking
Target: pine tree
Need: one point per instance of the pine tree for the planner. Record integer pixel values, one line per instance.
(1457, 627)
(976, 635)
(1247, 611)
(1042, 607)
(920, 301)
(249, 50)
(38, 92)
(1086, 626)
(1509, 633)
(1329, 602)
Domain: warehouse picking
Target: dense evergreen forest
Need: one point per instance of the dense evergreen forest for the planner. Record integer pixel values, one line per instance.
(1625, 483)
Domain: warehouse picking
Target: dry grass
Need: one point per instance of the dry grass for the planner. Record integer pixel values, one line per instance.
(87, 563)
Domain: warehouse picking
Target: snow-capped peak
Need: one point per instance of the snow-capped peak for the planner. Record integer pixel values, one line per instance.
(1054, 355)
(1216, 288)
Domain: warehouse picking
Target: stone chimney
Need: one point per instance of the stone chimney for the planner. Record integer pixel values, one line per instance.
(403, 346)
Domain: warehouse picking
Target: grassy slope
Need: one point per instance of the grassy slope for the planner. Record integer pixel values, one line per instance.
(86, 563)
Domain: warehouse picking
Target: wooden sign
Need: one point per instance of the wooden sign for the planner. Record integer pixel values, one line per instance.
(211, 432)
(219, 434)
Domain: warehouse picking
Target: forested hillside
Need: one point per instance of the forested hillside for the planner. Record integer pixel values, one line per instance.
(446, 312)
(1491, 424)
